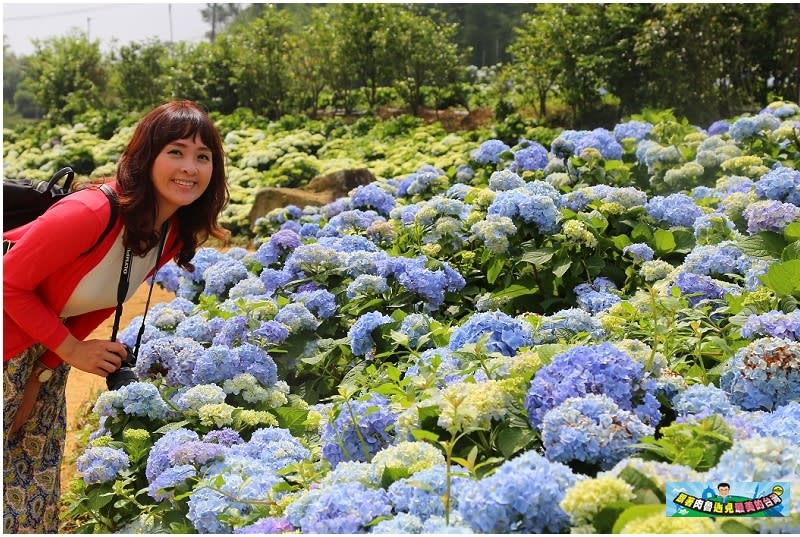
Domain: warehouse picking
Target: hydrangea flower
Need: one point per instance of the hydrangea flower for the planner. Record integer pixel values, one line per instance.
(422, 494)
(713, 229)
(372, 196)
(584, 500)
(764, 374)
(195, 397)
(464, 174)
(505, 180)
(225, 437)
(490, 152)
(674, 210)
(360, 334)
(597, 296)
(603, 141)
(659, 524)
(595, 369)
(781, 184)
(344, 508)
(720, 126)
(537, 209)
(592, 429)
(506, 334)
(747, 127)
(354, 221)
(659, 472)
(321, 302)
(402, 523)
(366, 285)
(361, 429)
(267, 525)
(697, 287)
(273, 331)
(168, 479)
(494, 232)
(717, 260)
(411, 457)
(700, 401)
(415, 276)
(297, 318)
(639, 251)
(770, 215)
(522, 496)
(632, 129)
(655, 270)
(158, 458)
(773, 323)
(467, 405)
(758, 459)
(414, 326)
(102, 464)
(222, 275)
(530, 158)
(566, 323)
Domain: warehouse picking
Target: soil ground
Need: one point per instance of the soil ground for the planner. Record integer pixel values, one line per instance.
(83, 388)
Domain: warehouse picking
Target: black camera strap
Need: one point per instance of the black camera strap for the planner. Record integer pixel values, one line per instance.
(124, 285)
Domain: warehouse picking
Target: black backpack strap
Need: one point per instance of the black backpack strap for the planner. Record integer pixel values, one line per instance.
(114, 205)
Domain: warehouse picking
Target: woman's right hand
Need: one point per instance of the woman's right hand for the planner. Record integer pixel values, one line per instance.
(97, 356)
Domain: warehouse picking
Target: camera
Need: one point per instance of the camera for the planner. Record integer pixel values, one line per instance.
(125, 374)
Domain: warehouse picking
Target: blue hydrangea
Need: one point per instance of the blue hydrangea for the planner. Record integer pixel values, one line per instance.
(232, 331)
(322, 303)
(272, 448)
(350, 222)
(360, 334)
(204, 506)
(273, 331)
(275, 279)
(216, 364)
(168, 277)
(175, 355)
(639, 251)
(372, 263)
(505, 180)
(311, 259)
(225, 436)
(596, 297)
(490, 152)
(257, 362)
(627, 197)
(345, 508)
(713, 229)
(593, 369)
(720, 126)
(464, 174)
(764, 374)
(537, 209)
(773, 323)
(700, 401)
(770, 215)
(421, 494)
(223, 275)
(698, 287)
(142, 399)
(717, 260)
(592, 429)
(449, 370)
(373, 430)
(728, 184)
(297, 318)
(196, 452)
(745, 128)
(279, 244)
(102, 464)
(531, 158)
(780, 183)
(347, 245)
(757, 459)
(563, 145)
(168, 479)
(196, 328)
(196, 396)
(673, 210)
(251, 287)
(505, 334)
(415, 326)
(414, 275)
(366, 285)
(203, 259)
(603, 141)
(783, 422)
(632, 129)
(158, 458)
(402, 523)
(372, 196)
(522, 496)
(565, 324)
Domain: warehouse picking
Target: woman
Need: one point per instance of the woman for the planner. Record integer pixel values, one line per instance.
(55, 293)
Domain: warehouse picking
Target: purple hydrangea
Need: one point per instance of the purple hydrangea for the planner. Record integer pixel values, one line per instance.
(522, 496)
(773, 323)
(321, 302)
(267, 525)
(490, 152)
(359, 431)
(175, 355)
(158, 458)
(360, 334)
(505, 334)
(770, 215)
(345, 508)
(720, 126)
(597, 296)
(168, 277)
(273, 331)
(414, 275)
(674, 210)
(225, 436)
(717, 260)
(592, 429)
(170, 478)
(780, 183)
(763, 375)
(698, 287)
(593, 369)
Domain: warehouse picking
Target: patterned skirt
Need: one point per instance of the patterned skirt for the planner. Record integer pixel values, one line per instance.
(32, 455)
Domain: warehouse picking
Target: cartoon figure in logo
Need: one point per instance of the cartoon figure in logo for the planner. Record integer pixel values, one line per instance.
(724, 496)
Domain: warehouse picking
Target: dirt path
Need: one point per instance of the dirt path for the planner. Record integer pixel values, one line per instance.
(83, 388)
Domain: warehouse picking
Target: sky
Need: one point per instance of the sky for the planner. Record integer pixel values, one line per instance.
(124, 22)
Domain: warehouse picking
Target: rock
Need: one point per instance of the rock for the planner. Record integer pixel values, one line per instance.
(321, 190)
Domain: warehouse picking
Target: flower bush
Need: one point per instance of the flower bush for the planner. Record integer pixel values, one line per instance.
(474, 342)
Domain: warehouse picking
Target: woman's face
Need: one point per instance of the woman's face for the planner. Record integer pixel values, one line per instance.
(181, 173)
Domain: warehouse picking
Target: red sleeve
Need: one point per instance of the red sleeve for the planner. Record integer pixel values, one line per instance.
(51, 244)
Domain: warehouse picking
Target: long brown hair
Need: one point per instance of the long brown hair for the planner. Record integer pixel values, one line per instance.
(137, 199)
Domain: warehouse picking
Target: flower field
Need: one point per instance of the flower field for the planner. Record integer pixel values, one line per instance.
(504, 339)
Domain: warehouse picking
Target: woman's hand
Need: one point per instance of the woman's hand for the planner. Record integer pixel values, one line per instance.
(96, 356)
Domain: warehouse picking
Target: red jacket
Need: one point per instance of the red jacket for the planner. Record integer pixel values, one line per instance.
(45, 265)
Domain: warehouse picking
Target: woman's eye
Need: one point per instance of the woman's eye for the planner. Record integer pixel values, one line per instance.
(205, 157)
(174, 152)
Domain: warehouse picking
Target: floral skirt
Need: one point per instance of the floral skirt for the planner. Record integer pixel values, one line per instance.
(32, 455)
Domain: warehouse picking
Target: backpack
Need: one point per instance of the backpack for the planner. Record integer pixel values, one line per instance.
(24, 200)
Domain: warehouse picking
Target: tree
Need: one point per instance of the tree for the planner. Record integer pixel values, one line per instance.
(67, 76)
(312, 61)
(12, 73)
(218, 16)
(140, 75)
(188, 72)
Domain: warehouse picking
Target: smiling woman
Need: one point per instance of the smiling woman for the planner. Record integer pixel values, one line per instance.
(171, 172)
